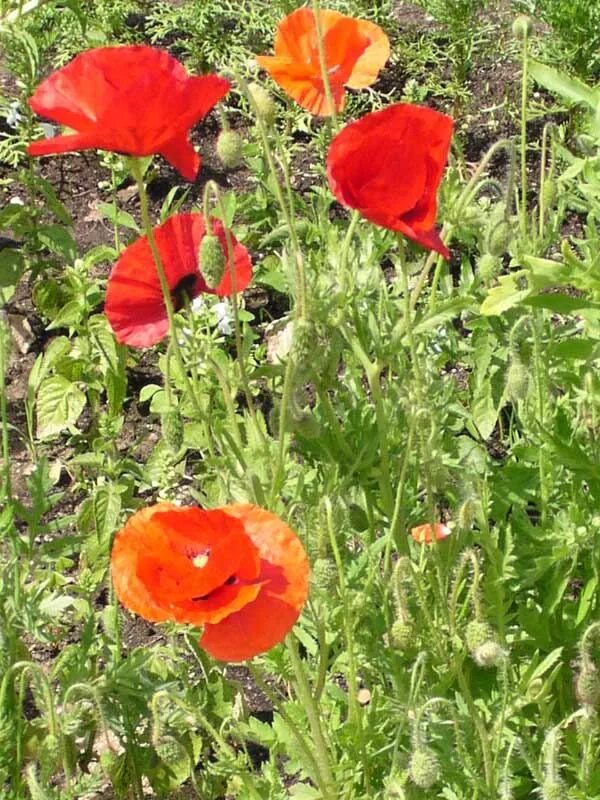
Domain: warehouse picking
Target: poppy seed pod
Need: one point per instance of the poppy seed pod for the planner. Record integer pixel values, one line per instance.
(522, 27)
(424, 768)
(229, 149)
(212, 260)
(265, 105)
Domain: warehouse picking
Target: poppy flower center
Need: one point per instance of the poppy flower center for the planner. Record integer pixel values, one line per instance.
(184, 289)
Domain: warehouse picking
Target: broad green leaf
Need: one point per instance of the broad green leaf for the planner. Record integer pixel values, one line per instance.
(118, 216)
(59, 405)
(12, 266)
(560, 303)
(571, 89)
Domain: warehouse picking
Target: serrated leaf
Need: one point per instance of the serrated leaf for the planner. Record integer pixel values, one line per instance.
(59, 405)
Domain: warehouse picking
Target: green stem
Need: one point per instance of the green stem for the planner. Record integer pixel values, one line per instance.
(398, 517)
(540, 376)
(4, 334)
(524, 79)
(312, 712)
(136, 170)
(323, 62)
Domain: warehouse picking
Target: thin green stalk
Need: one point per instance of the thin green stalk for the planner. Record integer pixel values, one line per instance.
(136, 170)
(288, 388)
(524, 80)
(482, 733)
(295, 730)
(7, 486)
(312, 712)
(540, 379)
(398, 519)
(323, 62)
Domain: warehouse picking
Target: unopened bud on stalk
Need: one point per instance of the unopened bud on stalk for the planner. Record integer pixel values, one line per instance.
(424, 768)
(553, 789)
(212, 260)
(325, 574)
(488, 266)
(402, 634)
(522, 26)
(394, 789)
(169, 750)
(229, 149)
(499, 238)
(482, 644)
(517, 379)
(265, 105)
(587, 685)
(171, 425)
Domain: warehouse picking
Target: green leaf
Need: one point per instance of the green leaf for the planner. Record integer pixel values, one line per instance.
(560, 303)
(59, 405)
(12, 266)
(577, 348)
(586, 601)
(117, 216)
(571, 89)
(58, 240)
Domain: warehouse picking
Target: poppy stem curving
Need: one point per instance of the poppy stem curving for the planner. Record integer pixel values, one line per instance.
(136, 170)
(4, 344)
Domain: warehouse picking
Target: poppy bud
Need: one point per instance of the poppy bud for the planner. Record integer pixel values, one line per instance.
(212, 260)
(522, 26)
(488, 654)
(402, 634)
(424, 768)
(394, 789)
(549, 193)
(466, 513)
(477, 633)
(50, 754)
(169, 750)
(517, 379)
(229, 149)
(553, 789)
(488, 266)
(325, 574)
(265, 105)
(171, 425)
(499, 238)
(587, 685)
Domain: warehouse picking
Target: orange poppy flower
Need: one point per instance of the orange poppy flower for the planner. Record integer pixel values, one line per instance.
(238, 570)
(424, 534)
(355, 51)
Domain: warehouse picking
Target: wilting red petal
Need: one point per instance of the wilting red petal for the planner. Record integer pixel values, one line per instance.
(388, 166)
(136, 100)
(134, 302)
(424, 534)
(239, 570)
(284, 571)
(355, 51)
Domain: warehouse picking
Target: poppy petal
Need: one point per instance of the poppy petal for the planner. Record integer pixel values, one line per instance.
(354, 51)
(134, 302)
(136, 100)
(285, 571)
(388, 165)
(425, 534)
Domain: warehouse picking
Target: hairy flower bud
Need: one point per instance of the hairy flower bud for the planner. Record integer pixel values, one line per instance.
(522, 26)
(499, 238)
(325, 574)
(488, 266)
(476, 634)
(212, 260)
(587, 685)
(424, 768)
(229, 149)
(169, 750)
(394, 789)
(553, 789)
(171, 425)
(402, 634)
(488, 654)
(265, 105)
(517, 379)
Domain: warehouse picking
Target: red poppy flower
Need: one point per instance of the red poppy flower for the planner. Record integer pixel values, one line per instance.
(424, 534)
(134, 100)
(388, 165)
(238, 570)
(134, 301)
(355, 52)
